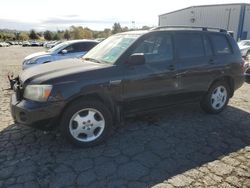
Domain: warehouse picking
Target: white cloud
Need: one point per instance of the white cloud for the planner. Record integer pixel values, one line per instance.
(55, 14)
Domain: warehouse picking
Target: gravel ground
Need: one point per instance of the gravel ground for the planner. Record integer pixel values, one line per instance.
(178, 147)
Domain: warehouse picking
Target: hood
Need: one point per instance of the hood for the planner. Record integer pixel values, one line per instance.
(38, 54)
(244, 47)
(42, 73)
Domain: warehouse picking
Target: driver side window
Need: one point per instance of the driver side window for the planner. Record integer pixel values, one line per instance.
(156, 48)
(69, 49)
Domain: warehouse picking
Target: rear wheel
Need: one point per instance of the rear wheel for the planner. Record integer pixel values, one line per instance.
(217, 97)
(86, 123)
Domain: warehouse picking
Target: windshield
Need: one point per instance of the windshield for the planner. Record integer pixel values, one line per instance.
(112, 48)
(57, 47)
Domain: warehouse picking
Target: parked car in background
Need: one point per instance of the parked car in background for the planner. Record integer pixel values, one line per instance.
(4, 44)
(51, 44)
(34, 43)
(65, 50)
(244, 46)
(54, 44)
(100, 39)
(127, 74)
(26, 43)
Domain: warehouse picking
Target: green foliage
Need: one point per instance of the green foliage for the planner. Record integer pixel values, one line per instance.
(48, 35)
(9, 36)
(102, 34)
(116, 28)
(66, 35)
(74, 32)
(87, 33)
(80, 32)
(33, 35)
(23, 36)
(56, 36)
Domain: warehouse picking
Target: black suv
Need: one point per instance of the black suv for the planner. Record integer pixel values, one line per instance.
(126, 74)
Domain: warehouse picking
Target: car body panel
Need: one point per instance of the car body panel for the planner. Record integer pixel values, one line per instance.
(134, 88)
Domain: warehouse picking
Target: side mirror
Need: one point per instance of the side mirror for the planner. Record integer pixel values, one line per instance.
(64, 51)
(136, 59)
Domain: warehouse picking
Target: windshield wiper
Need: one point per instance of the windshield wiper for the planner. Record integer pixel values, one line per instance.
(92, 59)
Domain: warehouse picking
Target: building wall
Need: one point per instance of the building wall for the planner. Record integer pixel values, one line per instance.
(246, 25)
(221, 16)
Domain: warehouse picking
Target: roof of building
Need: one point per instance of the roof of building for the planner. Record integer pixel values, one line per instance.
(204, 6)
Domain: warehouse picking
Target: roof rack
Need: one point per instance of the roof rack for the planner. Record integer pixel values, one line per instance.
(189, 27)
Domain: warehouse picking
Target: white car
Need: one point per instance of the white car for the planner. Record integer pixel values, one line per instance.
(4, 44)
(244, 46)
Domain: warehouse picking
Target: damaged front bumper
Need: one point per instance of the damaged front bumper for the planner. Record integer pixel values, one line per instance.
(12, 80)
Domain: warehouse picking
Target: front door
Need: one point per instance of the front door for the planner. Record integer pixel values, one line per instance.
(153, 83)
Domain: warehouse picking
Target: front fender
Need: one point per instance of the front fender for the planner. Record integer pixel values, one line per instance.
(45, 59)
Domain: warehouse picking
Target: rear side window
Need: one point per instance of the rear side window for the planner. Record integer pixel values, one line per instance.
(189, 45)
(208, 47)
(220, 44)
(83, 46)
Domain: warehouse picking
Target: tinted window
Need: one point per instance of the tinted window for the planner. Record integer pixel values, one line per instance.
(156, 48)
(69, 49)
(207, 46)
(80, 47)
(220, 44)
(189, 45)
(84, 46)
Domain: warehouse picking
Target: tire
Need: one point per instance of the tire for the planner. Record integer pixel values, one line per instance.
(86, 123)
(216, 98)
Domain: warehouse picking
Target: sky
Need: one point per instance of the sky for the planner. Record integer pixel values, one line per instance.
(97, 15)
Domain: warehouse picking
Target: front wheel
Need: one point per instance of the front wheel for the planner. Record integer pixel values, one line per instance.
(86, 123)
(216, 99)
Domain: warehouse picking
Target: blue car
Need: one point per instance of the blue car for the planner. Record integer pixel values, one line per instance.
(65, 50)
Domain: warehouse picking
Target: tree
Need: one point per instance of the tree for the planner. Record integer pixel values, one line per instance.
(76, 32)
(56, 37)
(116, 28)
(23, 36)
(9, 36)
(66, 35)
(145, 27)
(48, 35)
(33, 35)
(87, 33)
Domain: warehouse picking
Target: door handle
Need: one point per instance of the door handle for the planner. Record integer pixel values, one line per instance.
(171, 67)
(211, 61)
(115, 82)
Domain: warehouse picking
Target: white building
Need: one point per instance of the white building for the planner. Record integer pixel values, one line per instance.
(232, 17)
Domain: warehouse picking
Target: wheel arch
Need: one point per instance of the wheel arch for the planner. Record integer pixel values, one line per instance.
(229, 80)
(103, 98)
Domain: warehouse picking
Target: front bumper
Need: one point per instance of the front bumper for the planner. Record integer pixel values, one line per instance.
(36, 114)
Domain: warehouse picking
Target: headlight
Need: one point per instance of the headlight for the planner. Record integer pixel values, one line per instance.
(31, 61)
(37, 92)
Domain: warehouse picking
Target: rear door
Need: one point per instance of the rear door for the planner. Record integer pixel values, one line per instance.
(194, 59)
